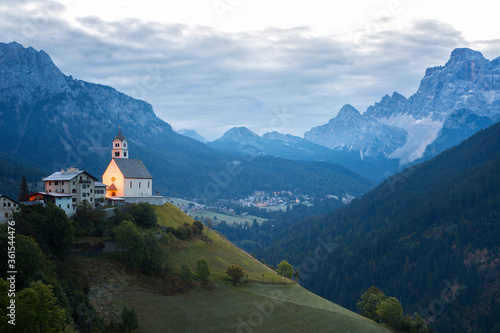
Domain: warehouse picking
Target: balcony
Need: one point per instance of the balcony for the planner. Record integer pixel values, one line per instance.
(84, 181)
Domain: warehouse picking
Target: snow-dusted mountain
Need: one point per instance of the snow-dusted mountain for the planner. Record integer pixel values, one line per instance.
(192, 134)
(452, 103)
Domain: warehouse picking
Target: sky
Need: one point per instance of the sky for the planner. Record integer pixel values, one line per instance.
(210, 65)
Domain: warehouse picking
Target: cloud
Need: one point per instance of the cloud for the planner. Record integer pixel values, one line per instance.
(197, 77)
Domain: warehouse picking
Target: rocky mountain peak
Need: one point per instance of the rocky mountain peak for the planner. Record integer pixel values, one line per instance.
(238, 134)
(461, 55)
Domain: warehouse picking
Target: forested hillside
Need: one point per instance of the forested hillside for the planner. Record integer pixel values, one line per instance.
(421, 231)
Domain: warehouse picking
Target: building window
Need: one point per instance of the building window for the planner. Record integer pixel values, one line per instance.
(6, 214)
(56, 183)
(130, 184)
(139, 184)
(14, 205)
(73, 190)
(4, 204)
(117, 154)
(90, 190)
(90, 199)
(148, 184)
(73, 182)
(84, 186)
(84, 195)
(50, 190)
(74, 200)
(62, 191)
(59, 205)
(116, 144)
(124, 154)
(8, 204)
(62, 183)
(50, 183)
(68, 205)
(125, 145)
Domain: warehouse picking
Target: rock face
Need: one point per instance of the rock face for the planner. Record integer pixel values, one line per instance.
(403, 129)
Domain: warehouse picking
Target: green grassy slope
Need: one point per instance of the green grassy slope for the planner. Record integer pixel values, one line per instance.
(165, 305)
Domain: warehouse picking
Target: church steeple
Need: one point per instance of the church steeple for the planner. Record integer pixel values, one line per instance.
(120, 148)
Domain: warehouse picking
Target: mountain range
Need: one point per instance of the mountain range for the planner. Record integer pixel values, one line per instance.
(54, 121)
(453, 102)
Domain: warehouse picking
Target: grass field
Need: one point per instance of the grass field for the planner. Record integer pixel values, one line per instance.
(217, 251)
(255, 308)
(165, 305)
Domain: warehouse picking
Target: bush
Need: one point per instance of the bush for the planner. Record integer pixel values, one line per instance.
(130, 320)
(202, 270)
(236, 273)
(199, 225)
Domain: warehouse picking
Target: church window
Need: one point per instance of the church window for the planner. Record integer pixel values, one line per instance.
(125, 154)
(117, 154)
(139, 184)
(130, 184)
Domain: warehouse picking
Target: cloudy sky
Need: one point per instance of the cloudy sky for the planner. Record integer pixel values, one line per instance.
(209, 65)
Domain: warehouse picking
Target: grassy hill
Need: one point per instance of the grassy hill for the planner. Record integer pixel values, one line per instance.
(261, 304)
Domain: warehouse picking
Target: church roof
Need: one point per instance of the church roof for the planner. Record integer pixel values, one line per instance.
(132, 168)
(120, 136)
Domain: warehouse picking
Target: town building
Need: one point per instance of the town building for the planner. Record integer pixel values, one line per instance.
(7, 208)
(79, 184)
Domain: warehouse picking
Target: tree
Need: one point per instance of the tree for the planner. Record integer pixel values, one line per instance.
(128, 237)
(56, 232)
(199, 225)
(156, 258)
(202, 270)
(370, 299)
(144, 214)
(186, 274)
(130, 320)
(390, 311)
(236, 273)
(285, 269)
(37, 310)
(24, 190)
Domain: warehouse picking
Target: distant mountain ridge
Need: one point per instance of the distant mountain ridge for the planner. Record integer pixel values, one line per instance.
(55, 121)
(192, 134)
(404, 129)
(242, 141)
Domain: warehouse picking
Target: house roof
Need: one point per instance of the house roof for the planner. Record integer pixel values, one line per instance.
(66, 175)
(4, 196)
(51, 194)
(112, 187)
(120, 136)
(99, 184)
(132, 168)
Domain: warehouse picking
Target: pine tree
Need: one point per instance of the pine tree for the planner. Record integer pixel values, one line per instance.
(23, 190)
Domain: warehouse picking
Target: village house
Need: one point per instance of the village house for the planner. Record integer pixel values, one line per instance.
(7, 208)
(78, 184)
(61, 200)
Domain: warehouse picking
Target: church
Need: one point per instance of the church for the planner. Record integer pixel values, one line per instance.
(126, 178)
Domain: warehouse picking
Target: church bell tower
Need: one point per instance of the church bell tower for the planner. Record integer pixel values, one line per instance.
(120, 147)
